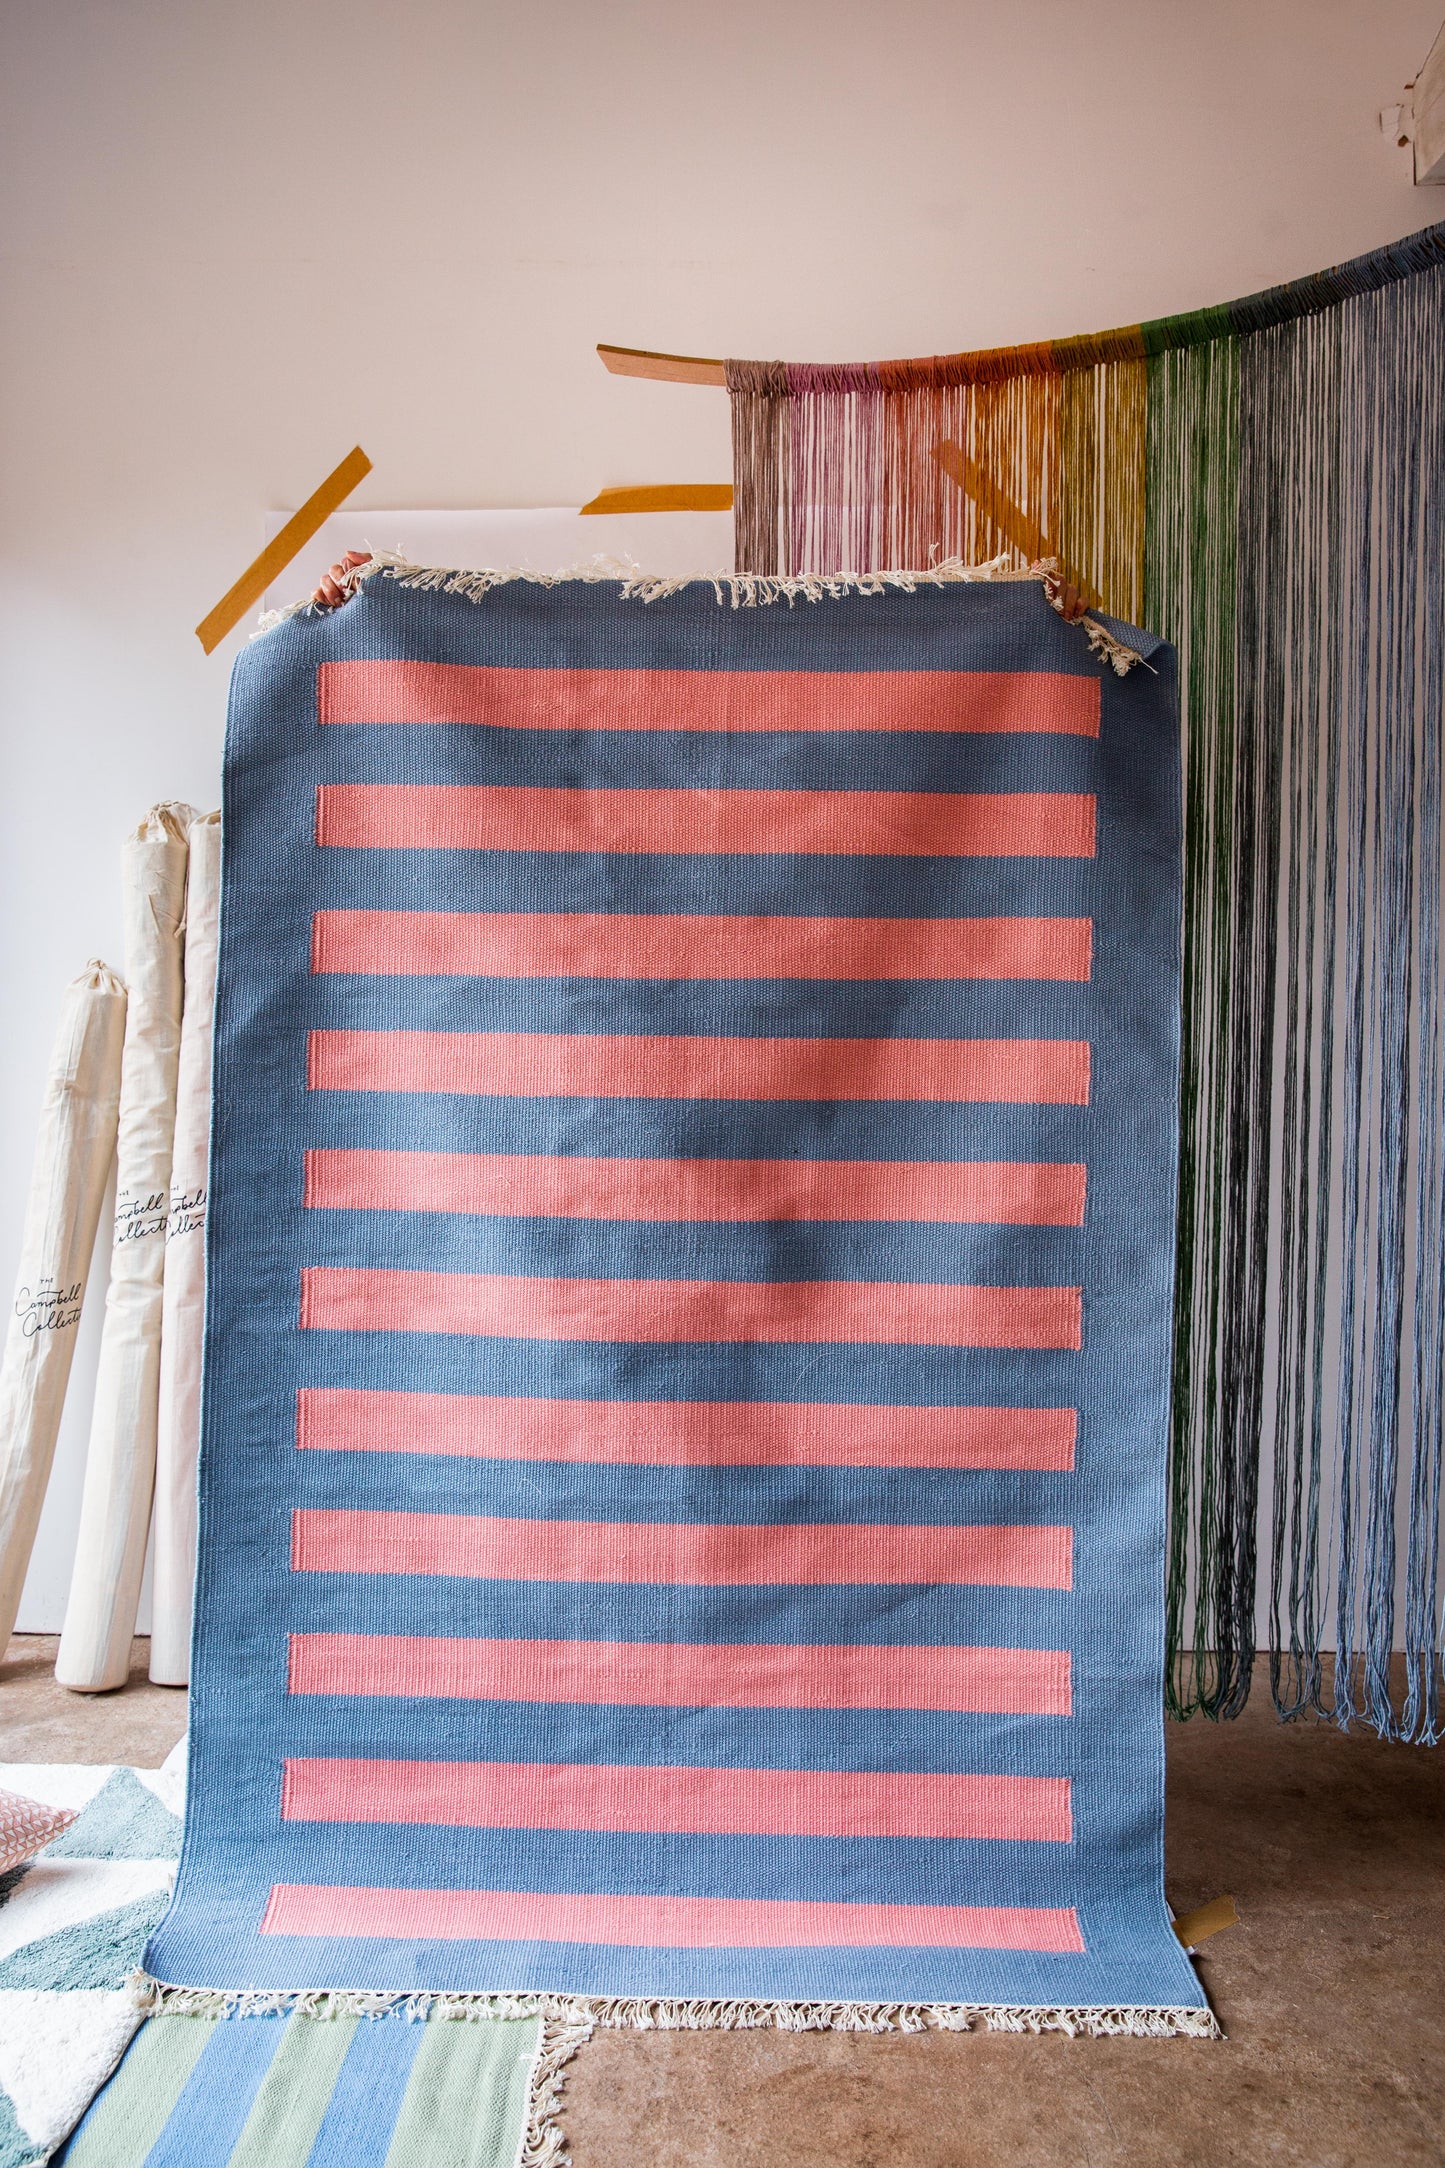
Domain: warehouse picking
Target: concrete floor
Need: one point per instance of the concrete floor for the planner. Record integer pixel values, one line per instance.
(1331, 1989)
(42, 1722)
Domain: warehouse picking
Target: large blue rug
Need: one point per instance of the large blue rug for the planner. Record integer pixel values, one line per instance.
(687, 1371)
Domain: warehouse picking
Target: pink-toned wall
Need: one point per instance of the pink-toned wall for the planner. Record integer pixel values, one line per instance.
(237, 239)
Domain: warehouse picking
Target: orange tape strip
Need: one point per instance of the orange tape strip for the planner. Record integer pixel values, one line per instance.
(1195, 1927)
(280, 550)
(665, 497)
(1025, 534)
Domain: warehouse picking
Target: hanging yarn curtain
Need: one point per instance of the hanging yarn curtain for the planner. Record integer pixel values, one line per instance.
(1263, 483)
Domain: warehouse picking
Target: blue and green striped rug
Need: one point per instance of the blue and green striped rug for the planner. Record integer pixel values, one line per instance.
(318, 2091)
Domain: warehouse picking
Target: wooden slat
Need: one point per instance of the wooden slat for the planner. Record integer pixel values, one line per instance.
(662, 368)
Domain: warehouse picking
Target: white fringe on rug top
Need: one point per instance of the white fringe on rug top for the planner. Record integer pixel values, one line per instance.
(744, 590)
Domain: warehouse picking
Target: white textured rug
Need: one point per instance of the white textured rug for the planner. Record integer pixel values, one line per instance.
(73, 1924)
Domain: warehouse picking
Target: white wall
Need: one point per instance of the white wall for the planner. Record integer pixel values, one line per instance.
(239, 238)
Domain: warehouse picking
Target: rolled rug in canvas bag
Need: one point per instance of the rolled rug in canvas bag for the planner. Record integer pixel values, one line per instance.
(73, 1153)
(183, 1305)
(120, 1468)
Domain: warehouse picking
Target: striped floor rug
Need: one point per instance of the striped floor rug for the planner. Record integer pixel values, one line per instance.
(303, 2091)
(687, 1374)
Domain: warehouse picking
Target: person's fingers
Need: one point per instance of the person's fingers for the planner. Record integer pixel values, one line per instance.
(1065, 597)
(331, 589)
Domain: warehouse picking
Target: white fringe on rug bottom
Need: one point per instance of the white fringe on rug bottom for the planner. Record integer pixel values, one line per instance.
(568, 2021)
(1140, 2021)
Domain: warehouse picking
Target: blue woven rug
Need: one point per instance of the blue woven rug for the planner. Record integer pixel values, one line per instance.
(686, 1391)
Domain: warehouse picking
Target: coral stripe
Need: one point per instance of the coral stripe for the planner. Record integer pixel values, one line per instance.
(685, 1801)
(512, 817)
(628, 945)
(656, 1922)
(342, 1298)
(967, 700)
(1016, 1192)
(701, 1554)
(687, 1674)
(1030, 1072)
(701, 1433)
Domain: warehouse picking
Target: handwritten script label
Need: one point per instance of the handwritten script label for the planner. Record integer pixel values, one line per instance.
(139, 1218)
(188, 1212)
(48, 1308)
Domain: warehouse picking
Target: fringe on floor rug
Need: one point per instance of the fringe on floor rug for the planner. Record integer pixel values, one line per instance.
(569, 2021)
(1140, 2022)
(654, 2014)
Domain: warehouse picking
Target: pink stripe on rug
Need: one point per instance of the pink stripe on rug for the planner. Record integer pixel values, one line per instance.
(703, 1433)
(550, 1065)
(344, 1539)
(624, 945)
(661, 1922)
(512, 817)
(684, 1801)
(687, 1674)
(341, 1298)
(891, 700)
(996, 1192)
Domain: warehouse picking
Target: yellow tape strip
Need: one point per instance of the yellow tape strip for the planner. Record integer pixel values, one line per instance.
(665, 497)
(1192, 1928)
(278, 553)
